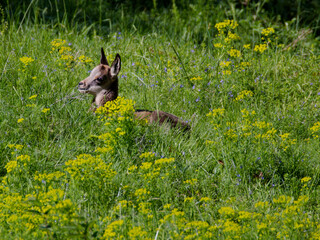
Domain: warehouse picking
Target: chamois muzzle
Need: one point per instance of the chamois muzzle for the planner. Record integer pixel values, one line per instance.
(81, 87)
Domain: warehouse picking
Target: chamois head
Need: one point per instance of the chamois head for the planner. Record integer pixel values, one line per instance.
(103, 78)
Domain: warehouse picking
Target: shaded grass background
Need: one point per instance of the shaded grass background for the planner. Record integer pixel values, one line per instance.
(285, 84)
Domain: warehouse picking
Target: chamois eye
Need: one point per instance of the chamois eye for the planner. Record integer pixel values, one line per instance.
(99, 79)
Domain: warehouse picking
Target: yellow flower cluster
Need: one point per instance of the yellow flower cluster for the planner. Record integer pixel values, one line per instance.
(243, 94)
(33, 96)
(110, 231)
(262, 124)
(305, 179)
(137, 233)
(66, 56)
(142, 193)
(226, 24)
(40, 208)
(260, 48)
(283, 199)
(245, 113)
(26, 60)
(64, 49)
(225, 63)
(191, 182)
(146, 165)
(261, 205)
(109, 142)
(87, 168)
(245, 64)
(280, 218)
(231, 36)
(286, 142)
(20, 162)
(20, 120)
(196, 78)
(270, 134)
(64, 52)
(119, 108)
(15, 146)
(120, 132)
(234, 53)
(57, 43)
(11, 166)
(216, 112)
(231, 134)
(226, 36)
(49, 177)
(227, 211)
(315, 130)
(147, 155)
(218, 45)
(162, 161)
(267, 31)
(45, 110)
(261, 131)
(84, 59)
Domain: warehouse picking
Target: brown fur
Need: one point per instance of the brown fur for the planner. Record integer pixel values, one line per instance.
(103, 85)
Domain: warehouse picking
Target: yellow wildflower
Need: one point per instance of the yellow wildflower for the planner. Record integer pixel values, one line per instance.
(226, 211)
(230, 226)
(84, 59)
(33, 96)
(196, 79)
(221, 26)
(305, 179)
(164, 161)
(45, 110)
(226, 72)
(137, 233)
(215, 112)
(146, 165)
(57, 43)
(283, 199)
(234, 53)
(261, 226)
(192, 181)
(225, 63)
(147, 155)
(26, 60)
(218, 45)
(260, 48)
(167, 206)
(11, 166)
(243, 215)
(261, 204)
(205, 199)
(267, 31)
(243, 94)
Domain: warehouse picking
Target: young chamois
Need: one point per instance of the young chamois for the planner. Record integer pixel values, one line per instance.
(103, 85)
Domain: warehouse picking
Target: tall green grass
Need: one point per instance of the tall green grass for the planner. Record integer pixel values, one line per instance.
(247, 169)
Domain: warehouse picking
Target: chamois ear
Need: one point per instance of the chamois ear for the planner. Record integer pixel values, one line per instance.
(103, 59)
(116, 66)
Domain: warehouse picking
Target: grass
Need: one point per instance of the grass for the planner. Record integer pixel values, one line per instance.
(248, 168)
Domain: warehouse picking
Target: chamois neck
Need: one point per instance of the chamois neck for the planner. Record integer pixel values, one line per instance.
(109, 94)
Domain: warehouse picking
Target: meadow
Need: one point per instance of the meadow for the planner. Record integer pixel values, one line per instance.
(248, 168)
